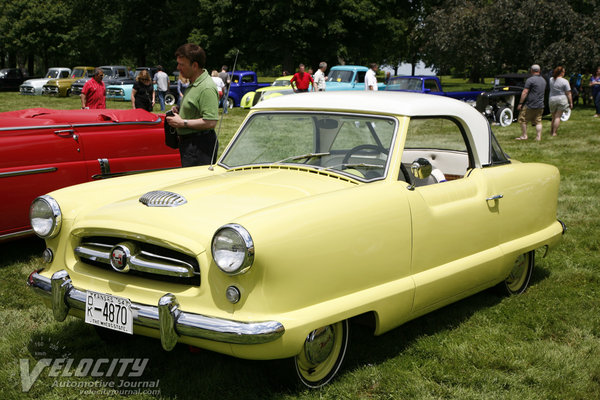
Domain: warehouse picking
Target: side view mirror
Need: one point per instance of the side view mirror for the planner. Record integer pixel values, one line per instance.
(421, 169)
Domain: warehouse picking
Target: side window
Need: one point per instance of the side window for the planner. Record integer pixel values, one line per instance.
(64, 74)
(122, 73)
(360, 76)
(432, 85)
(439, 141)
(248, 79)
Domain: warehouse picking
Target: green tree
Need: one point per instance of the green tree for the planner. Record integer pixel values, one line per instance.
(31, 28)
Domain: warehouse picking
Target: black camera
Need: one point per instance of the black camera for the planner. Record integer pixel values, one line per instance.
(170, 113)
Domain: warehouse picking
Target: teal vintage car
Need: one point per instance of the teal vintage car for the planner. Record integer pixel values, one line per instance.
(348, 77)
(122, 90)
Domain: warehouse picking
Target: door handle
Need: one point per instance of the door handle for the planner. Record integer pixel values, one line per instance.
(66, 133)
(496, 197)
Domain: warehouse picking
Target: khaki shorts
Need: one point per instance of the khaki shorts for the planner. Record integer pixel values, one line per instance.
(533, 115)
(558, 104)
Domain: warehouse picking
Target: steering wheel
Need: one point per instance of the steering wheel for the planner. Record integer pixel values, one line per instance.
(374, 150)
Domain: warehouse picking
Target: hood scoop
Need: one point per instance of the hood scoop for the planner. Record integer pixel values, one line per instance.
(161, 198)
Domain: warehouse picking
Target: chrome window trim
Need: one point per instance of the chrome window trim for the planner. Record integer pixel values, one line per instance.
(28, 172)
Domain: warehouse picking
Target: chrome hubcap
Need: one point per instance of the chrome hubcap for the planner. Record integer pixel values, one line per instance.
(319, 345)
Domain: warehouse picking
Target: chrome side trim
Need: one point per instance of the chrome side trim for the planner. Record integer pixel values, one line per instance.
(28, 172)
(158, 120)
(166, 317)
(143, 261)
(16, 235)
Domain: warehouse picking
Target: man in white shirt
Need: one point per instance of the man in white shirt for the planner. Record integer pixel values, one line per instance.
(370, 78)
(162, 86)
(320, 77)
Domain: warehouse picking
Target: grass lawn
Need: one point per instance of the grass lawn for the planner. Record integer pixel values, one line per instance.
(544, 344)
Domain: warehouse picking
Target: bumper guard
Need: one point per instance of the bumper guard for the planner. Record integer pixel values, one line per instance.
(167, 317)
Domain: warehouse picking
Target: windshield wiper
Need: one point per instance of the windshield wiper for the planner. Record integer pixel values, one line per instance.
(307, 155)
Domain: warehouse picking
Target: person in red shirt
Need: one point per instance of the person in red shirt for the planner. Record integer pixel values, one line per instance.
(93, 94)
(301, 80)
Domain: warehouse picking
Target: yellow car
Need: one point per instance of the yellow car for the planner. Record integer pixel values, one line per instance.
(281, 86)
(62, 87)
(324, 208)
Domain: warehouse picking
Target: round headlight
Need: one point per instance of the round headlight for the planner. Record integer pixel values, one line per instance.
(489, 110)
(233, 249)
(45, 217)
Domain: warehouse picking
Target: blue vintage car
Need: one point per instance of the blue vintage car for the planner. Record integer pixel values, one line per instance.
(348, 77)
(242, 82)
(429, 84)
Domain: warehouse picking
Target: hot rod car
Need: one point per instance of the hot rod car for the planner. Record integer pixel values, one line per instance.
(499, 104)
(324, 207)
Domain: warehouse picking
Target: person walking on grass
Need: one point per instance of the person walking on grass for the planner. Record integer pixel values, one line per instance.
(560, 99)
(531, 104)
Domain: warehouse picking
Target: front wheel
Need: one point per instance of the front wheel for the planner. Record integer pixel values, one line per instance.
(517, 281)
(322, 354)
(169, 99)
(504, 116)
(566, 115)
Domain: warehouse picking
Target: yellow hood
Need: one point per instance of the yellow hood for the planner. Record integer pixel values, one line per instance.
(212, 201)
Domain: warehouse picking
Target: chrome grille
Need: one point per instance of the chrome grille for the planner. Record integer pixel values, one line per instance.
(160, 198)
(143, 259)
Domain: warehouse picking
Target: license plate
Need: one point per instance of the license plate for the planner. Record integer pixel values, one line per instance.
(108, 311)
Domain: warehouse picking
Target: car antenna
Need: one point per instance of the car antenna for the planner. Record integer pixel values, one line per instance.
(212, 166)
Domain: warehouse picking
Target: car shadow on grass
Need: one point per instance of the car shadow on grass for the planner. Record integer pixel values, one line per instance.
(21, 250)
(186, 373)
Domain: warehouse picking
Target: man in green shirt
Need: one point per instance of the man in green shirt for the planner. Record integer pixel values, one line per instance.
(197, 117)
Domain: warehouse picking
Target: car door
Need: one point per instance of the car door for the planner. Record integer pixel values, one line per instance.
(126, 146)
(455, 246)
(34, 161)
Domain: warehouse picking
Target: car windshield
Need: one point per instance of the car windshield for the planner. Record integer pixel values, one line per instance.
(52, 74)
(404, 84)
(349, 144)
(281, 82)
(340, 76)
(78, 73)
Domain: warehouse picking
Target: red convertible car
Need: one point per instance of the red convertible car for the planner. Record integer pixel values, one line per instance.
(42, 150)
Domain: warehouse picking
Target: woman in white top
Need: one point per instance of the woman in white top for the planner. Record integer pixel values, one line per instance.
(218, 82)
(560, 98)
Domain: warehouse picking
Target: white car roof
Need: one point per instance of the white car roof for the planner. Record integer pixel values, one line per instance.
(393, 103)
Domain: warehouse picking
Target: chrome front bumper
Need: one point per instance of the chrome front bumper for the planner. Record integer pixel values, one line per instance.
(166, 317)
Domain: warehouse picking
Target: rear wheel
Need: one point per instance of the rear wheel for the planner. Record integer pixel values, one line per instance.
(517, 281)
(504, 116)
(322, 354)
(169, 99)
(230, 102)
